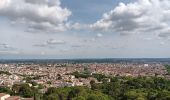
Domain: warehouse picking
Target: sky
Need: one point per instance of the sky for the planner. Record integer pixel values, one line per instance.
(68, 29)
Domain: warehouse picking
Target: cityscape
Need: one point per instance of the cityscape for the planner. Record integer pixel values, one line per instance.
(43, 74)
(84, 50)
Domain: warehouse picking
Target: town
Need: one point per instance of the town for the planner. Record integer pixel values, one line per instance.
(44, 76)
(59, 75)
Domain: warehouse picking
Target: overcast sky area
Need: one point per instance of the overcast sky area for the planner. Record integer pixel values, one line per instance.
(64, 29)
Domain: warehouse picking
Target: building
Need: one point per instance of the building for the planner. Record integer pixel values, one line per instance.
(4, 96)
(13, 98)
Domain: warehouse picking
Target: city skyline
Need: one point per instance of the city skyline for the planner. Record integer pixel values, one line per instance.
(55, 29)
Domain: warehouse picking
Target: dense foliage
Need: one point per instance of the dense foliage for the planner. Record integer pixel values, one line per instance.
(5, 90)
(74, 93)
(168, 68)
(120, 88)
(24, 90)
(141, 88)
(99, 77)
(5, 72)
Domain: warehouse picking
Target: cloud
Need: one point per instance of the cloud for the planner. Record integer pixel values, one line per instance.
(50, 43)
(44, 15)
(118, 46)
(53, 42)
(9, 52)
(162, 43)
(41, 2)
(5, 48)
(165, 33)
(77, 46)
(43, 53)
(141, 16)
(99, 35)
(148, 39)
(77, 26)
(64, 50)
(169, 39)
(40, 45)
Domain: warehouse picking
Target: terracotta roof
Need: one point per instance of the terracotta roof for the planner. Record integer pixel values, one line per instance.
(2, 94)
(27, 99)
(14, 98)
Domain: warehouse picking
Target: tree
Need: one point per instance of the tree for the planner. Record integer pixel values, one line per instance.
(99, 77)
(51, 90)
(135, 94)
(5, 90)
(79, 98)
(52, 97)
(23, 90)
(152, 94)
(26, 91)
(92, 83)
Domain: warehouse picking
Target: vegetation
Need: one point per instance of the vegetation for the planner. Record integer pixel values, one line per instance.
(141, 88)
(168, 68)
(99, 77)
(80, 75)
(5, 72)
(74, 93)
(29, 79)
(119, 88)
(24, 90)
(5, 90)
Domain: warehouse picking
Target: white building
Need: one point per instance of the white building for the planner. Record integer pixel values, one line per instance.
(4, 96)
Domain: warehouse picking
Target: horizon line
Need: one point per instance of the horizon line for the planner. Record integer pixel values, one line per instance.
(83, 58)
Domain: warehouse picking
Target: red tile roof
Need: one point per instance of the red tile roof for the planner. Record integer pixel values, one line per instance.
(14, 98)
(2, 94)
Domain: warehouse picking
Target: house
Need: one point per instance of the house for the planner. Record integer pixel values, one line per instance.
(3, 96)
(13, 98)
(27, 99)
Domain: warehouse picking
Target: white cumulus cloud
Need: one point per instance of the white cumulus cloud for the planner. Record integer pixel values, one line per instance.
(140, 16)
(47, 15)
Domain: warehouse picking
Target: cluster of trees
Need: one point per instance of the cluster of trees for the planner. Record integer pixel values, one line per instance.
(99, 77)
(23, 90)
(74, 93)
(5, 72)
(119, 88)
(5, 90)
(80, 75)
(140, 88)
(168, 68)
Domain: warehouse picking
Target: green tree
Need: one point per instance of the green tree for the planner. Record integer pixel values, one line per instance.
(5, 90)
(79, 98)
(26, 91)
(52, 97)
